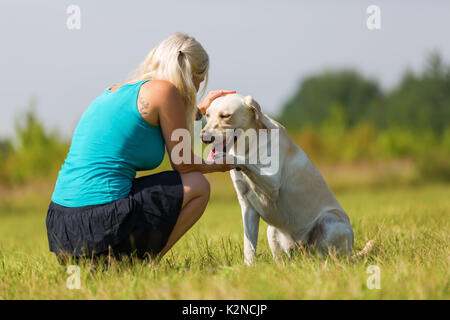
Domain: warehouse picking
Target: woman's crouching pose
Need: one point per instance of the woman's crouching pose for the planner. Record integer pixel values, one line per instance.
(98, 206)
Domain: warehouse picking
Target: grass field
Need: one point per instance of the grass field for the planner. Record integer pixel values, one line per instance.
(410, 224)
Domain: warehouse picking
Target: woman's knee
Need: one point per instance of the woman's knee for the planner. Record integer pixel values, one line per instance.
(195, 185)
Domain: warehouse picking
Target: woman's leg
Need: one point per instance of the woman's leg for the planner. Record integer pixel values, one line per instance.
(196, 191)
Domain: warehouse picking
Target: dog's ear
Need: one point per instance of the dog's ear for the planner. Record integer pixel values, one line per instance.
(256, 109)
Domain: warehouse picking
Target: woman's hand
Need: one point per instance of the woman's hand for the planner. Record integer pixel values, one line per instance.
(210, 98)
(223, 162)
(222, 167)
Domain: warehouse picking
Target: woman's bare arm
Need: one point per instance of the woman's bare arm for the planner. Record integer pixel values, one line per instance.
(160, 103)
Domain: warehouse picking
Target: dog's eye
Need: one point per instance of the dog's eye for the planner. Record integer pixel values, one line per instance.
(224, 116)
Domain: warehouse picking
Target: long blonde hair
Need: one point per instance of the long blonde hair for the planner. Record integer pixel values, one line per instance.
(177, 59)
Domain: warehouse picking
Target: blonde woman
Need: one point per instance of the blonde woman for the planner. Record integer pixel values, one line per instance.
(98, 206)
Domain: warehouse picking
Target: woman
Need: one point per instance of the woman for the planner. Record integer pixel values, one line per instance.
(98, 206)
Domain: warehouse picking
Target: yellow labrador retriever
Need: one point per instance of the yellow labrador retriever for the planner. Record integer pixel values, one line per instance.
(291, 196)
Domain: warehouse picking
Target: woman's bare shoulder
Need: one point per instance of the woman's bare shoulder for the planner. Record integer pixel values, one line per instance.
(161, 87)
(160, 93)
(158, 97)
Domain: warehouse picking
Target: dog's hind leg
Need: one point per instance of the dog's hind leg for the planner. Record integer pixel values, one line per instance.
(275, 247)
(332, 232)
(278, 242)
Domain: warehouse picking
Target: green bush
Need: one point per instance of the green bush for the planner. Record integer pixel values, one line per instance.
(33, 154)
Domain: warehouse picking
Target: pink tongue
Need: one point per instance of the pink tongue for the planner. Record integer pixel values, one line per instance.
(211, 155)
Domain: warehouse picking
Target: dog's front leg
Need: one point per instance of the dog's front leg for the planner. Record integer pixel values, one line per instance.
(251, 227)
(269, 184)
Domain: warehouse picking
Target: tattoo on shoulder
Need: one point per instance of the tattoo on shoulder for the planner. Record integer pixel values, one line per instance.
(143, 106)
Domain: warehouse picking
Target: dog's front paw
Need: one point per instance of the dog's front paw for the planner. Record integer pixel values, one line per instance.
(249, 262)
(250, 259)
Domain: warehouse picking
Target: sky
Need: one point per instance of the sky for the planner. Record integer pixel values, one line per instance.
(259, 48)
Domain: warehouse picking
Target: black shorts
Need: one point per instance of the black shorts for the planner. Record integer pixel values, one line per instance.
(139, 224)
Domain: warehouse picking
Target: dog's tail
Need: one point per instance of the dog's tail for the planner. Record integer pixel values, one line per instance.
(367, 248)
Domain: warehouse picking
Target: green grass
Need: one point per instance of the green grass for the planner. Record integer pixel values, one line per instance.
(410, 225)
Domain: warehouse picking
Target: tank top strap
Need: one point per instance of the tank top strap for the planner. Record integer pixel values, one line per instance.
(140, 83)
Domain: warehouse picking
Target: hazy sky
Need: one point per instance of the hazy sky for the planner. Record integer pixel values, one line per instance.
(260, 48)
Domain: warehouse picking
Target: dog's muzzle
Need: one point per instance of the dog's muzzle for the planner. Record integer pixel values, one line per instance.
(206, 138)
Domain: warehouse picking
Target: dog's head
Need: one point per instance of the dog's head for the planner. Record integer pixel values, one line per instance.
(231, 111)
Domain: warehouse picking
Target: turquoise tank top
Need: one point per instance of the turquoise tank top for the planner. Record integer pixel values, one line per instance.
(110, 143)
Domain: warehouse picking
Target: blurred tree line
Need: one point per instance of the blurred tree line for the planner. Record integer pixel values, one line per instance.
(342, 116)
(33, 153)
(419, 102)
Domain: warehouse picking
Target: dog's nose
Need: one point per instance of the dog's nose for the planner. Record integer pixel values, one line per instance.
(206, 138)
